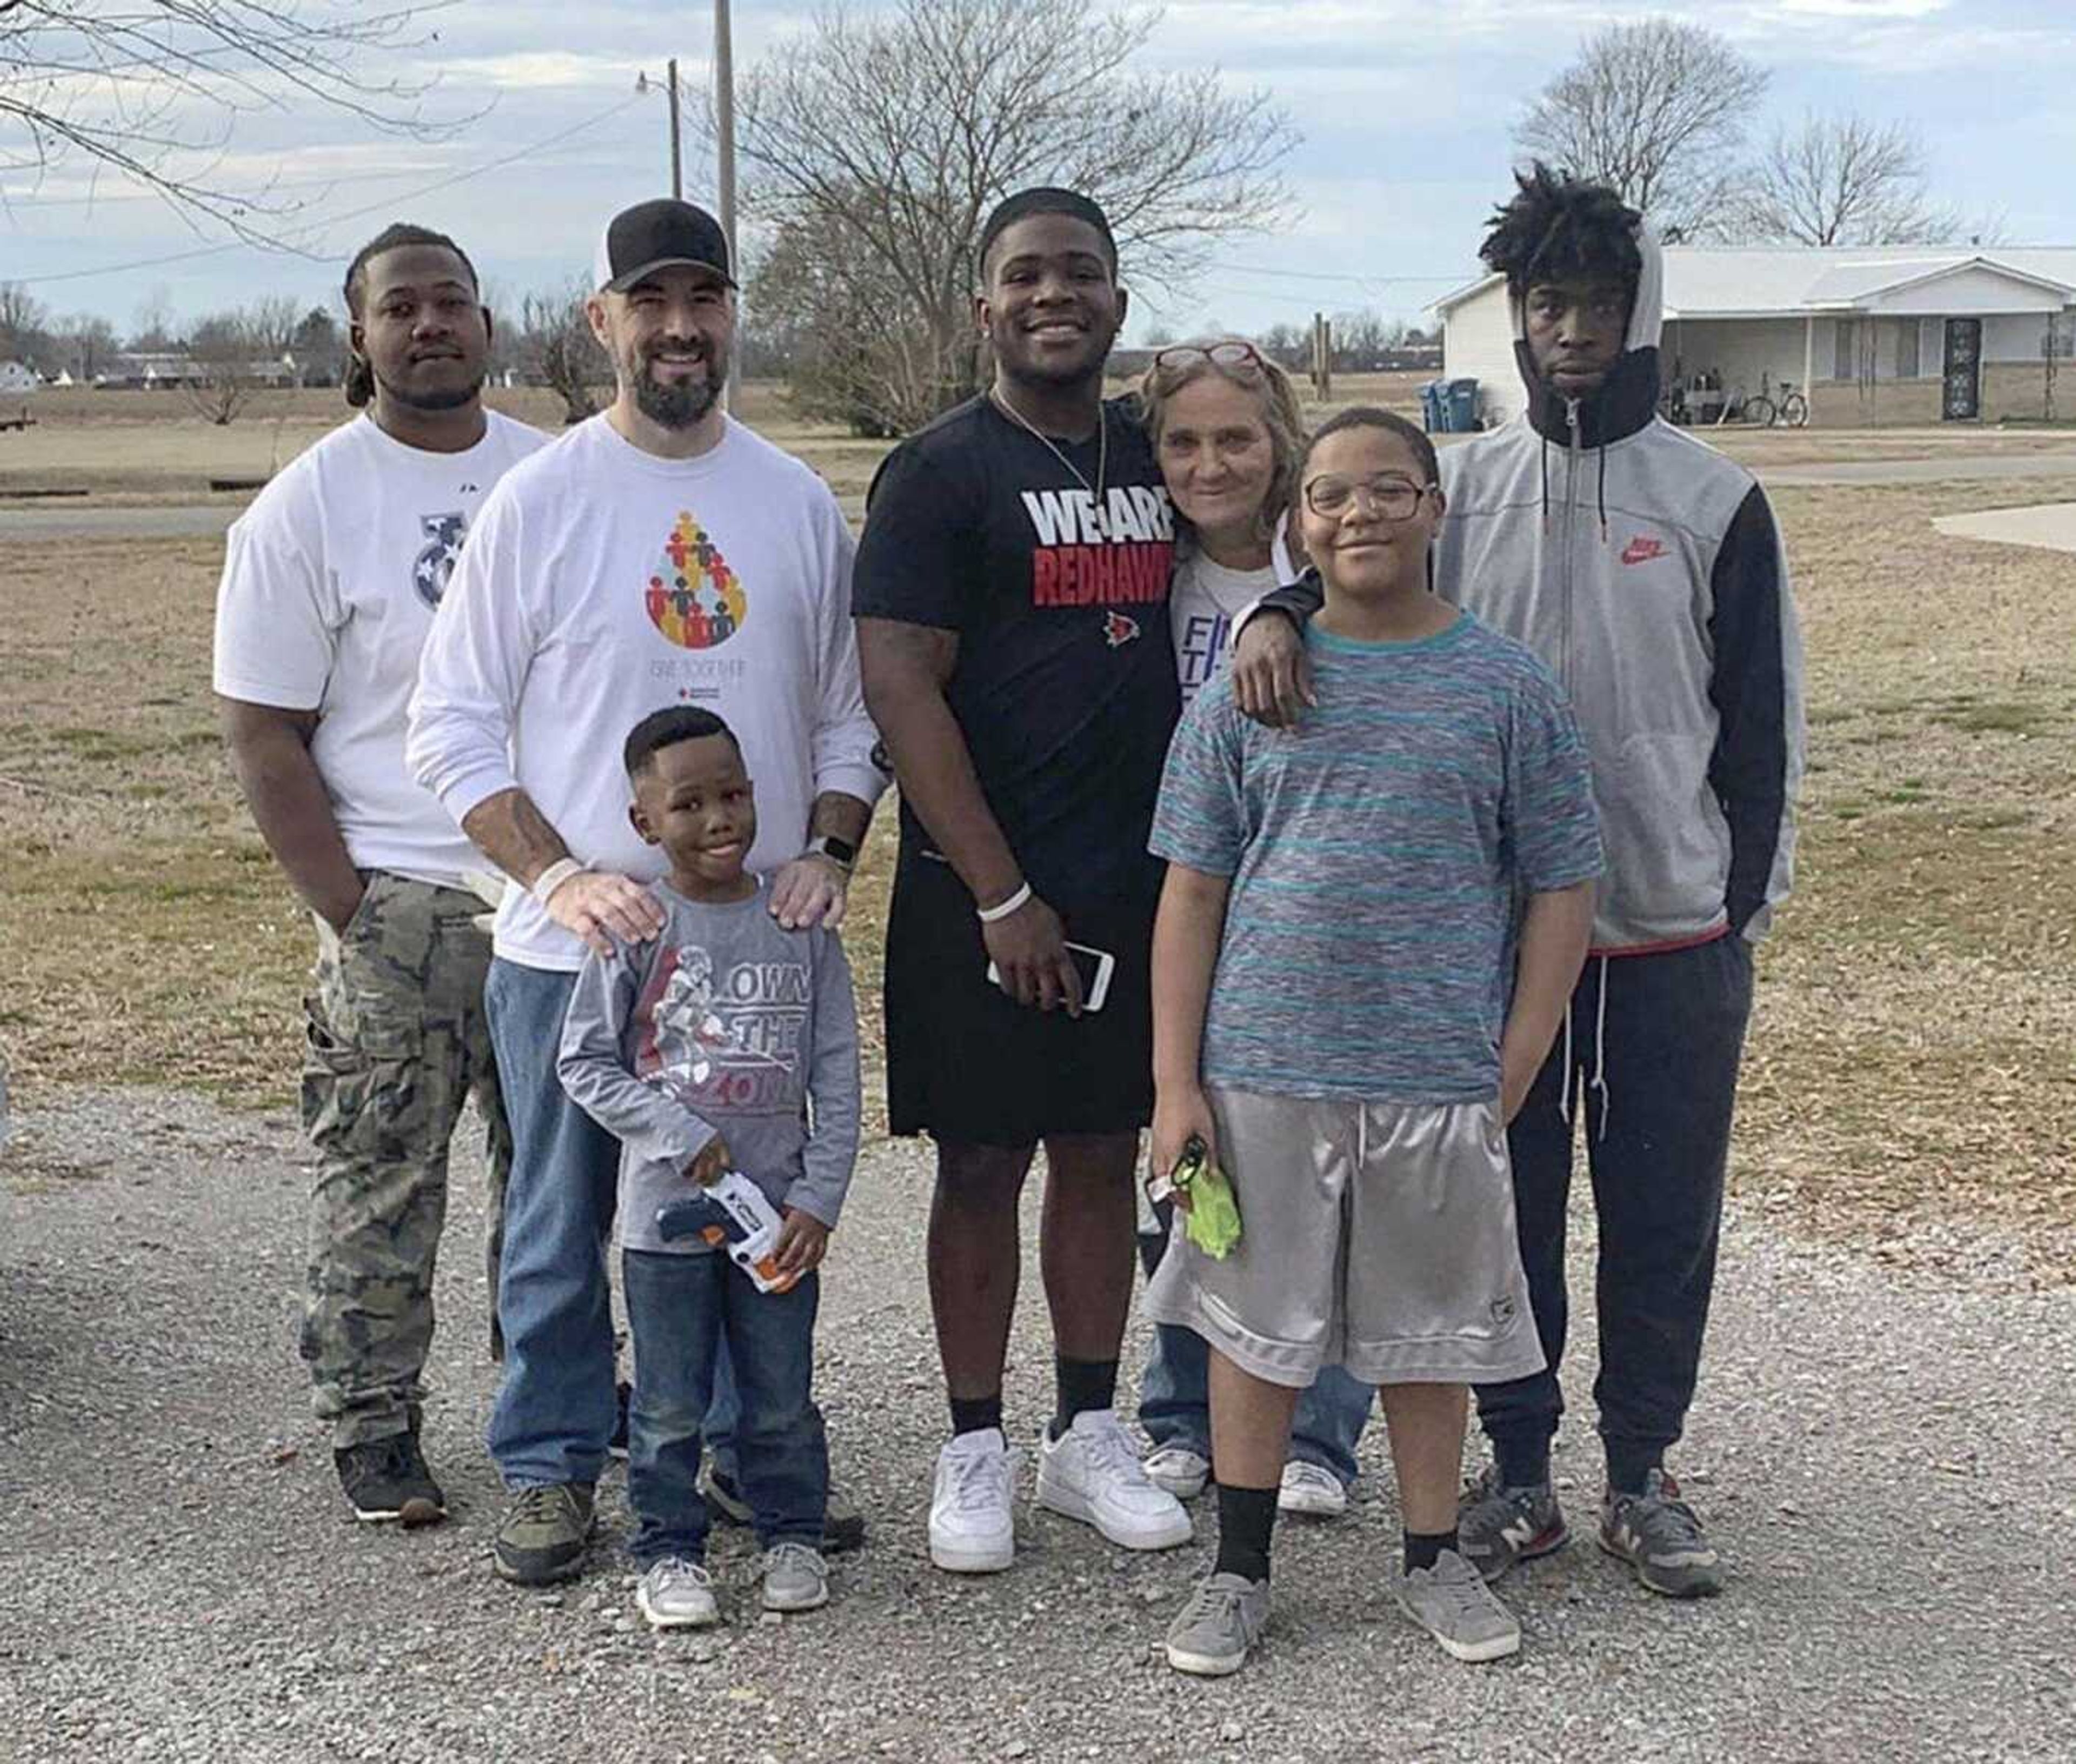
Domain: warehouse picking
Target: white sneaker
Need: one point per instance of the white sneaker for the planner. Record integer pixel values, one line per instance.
(674, 1594)
(1310, 1490)
(973, 1530)
(1179, 1470)
(1091, 1472)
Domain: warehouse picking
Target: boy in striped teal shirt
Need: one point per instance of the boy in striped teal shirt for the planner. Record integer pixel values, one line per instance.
(1369, 930)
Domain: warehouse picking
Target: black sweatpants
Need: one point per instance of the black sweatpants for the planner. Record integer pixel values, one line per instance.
(1655, 1062)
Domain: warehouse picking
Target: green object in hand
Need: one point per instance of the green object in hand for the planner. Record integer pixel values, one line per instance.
(1211, 1221)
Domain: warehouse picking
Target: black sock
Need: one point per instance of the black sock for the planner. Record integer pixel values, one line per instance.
(1423, 1549)
(1083, 1385)
(1630, 1468)
(1247, 1519)
(975, 1414)
(1523, 1463)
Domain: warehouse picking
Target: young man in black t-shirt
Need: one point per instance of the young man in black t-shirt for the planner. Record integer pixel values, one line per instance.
(1010, 593)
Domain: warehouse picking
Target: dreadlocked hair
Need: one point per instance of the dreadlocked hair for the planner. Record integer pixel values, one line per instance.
(1561, 229)
(359, 382)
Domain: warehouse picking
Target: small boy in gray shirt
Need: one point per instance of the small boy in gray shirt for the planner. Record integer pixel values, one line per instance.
(726, 1044)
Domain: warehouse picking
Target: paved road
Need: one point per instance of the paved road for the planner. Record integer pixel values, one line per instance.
(82, 520)
(1886, 1460)
(1947, 469)
(2051, 525)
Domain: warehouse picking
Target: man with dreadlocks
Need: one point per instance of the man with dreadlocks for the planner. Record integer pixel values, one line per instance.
(330, 584)
(1644, 569)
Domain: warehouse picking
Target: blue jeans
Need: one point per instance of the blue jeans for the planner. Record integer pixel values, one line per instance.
(1175, 1400)
(555, 1406)
(681, 1308)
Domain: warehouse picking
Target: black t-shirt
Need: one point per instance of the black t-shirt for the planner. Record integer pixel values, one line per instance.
(1065, 687)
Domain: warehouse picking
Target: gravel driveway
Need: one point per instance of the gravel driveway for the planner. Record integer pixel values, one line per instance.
(1886, 1462)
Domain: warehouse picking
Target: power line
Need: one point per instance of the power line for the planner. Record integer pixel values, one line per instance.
(321, 225)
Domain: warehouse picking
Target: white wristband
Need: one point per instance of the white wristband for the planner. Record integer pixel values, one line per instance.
(988, 915)
(554, 876)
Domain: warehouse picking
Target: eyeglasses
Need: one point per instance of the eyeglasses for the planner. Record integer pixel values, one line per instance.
(1234, 353)
(1394, 498)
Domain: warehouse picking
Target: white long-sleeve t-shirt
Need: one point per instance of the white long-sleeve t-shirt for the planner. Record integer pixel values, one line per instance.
(602, 583)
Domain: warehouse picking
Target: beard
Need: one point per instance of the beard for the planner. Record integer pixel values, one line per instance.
(682, 403)
(433, 398)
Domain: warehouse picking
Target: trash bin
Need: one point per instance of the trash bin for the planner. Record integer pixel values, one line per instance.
(1434, 414)
(1460, 402)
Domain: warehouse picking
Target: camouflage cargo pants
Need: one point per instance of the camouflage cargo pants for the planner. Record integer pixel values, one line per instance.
(396, 1042)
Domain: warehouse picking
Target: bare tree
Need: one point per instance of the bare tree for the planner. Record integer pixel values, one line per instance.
(882, 139)
(556, 347)
(155, 90)
(1843, 180)
(227, 352)
(87, 343)
(1657, 109)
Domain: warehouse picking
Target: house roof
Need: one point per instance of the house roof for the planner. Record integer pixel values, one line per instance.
(1704, 281)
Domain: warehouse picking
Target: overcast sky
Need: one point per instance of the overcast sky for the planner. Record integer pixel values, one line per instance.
(1404, 107)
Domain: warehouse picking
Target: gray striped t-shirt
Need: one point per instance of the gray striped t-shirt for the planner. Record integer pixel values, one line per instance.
(1379, 854)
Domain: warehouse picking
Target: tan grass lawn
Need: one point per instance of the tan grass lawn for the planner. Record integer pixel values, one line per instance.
(1910, 1063)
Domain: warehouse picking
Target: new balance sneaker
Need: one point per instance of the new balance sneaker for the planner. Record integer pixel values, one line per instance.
(386, 1480)
(543, 1534)
(1309, 1489)
(1092, 1473)
(1498, 1526)
(1213, 1634)
(1179, 1469)
(674, 1594)
(972, 1528)
(1660, 1536)
(795, 1577)
(1452, 1602)
(843, 1525)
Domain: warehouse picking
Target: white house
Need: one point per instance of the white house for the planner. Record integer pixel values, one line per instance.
(1872, 334)
(16, 377)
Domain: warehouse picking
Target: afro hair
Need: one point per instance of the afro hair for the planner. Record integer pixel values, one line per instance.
(1562, 229)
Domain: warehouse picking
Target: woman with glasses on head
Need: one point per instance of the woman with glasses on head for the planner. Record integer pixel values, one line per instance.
(1227, 434)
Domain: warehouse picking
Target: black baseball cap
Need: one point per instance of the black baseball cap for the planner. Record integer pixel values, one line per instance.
(651, 235)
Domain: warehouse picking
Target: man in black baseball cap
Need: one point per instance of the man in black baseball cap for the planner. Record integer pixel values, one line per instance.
(654, 235)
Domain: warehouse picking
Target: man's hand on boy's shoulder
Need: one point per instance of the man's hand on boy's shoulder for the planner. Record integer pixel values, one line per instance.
(599, 907)
(803, 1240)
(1271, 673)
(812, 889)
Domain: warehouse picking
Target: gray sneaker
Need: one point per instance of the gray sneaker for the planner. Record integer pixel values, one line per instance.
(1452, 1602)
(1497, 1526)
(543, 1536)
(1213, 1634)
(1659, 1536)
(674, 1594)
(795, 1577)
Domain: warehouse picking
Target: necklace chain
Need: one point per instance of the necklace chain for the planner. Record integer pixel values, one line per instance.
(1044, 440)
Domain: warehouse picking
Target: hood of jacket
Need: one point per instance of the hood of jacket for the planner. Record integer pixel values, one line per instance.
(1628, 398)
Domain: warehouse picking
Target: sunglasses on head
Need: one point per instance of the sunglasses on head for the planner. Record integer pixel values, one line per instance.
(1234, 353)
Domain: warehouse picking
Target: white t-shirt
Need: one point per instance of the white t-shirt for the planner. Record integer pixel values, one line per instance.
(602, 584)
(1204, 599)
(330, 582)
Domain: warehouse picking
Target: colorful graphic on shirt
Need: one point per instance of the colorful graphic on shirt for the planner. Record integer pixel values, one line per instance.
(694, 599)
(434, 566)
(1115, 553)
(1202, 647)
(725, 1041)
(1643, 548)
(1119, 630)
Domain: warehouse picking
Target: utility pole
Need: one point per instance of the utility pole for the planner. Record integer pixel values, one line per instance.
(677, 144)
(724, 152)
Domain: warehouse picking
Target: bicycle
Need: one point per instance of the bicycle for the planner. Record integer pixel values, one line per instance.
(1794, 413)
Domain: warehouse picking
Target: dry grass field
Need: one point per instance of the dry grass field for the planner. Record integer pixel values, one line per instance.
(1909, 1080)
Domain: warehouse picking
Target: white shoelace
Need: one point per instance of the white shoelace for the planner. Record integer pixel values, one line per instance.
(674, 1574)
(788, 1552)
(1110, 1450)
(980, 1479)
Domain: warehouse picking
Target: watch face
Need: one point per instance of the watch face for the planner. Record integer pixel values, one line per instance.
(840, 849)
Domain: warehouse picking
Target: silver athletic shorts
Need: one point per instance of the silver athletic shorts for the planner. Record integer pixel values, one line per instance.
(1376, 1236)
